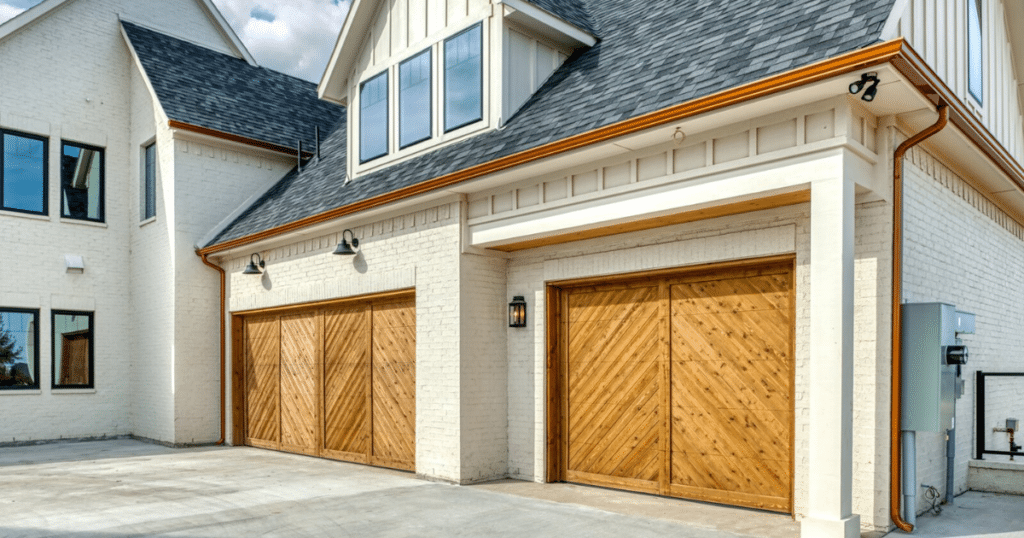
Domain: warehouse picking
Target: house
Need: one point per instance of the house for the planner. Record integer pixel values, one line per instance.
(657, 246)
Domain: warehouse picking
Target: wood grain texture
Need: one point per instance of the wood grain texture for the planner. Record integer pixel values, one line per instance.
(300, 390)
(731, 389)
(262, 380)
(347, 382)
(613, 383)
(677, 383)
(394, 385)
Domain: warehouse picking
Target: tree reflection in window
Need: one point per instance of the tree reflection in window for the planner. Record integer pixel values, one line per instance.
(19, 362)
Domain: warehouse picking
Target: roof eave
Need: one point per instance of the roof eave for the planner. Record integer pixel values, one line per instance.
(29, 17)
(333, 85)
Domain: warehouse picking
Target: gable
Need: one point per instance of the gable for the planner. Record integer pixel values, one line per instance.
(198, 21)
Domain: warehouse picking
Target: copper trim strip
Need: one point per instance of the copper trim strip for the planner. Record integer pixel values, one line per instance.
(174, 124)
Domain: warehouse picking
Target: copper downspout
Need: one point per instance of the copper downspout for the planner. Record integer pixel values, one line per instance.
(223, 349)
(895, 477)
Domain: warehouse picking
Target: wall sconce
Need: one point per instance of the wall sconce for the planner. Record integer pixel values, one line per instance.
(869, 94)
(254, 261)
(517, 312)
(344, 248)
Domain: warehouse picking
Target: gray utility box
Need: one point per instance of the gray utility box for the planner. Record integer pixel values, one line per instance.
(930, 357)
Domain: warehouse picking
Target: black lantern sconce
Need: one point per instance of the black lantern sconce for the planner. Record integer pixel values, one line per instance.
(871, 92)
(255, 264)
(346, 248)
(517, 312)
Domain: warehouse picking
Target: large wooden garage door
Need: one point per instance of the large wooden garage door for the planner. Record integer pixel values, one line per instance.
(335, 381)
(679, 385)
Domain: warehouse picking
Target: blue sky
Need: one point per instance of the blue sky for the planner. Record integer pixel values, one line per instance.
(291, 36)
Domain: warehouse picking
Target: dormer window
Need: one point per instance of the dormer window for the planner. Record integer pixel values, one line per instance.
(414, 96)
(463, 79)
(975, 59)
(373, 118)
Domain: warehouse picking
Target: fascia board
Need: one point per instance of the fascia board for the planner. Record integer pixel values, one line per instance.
(537, 16)
(142, 71)
(228, 32)
(29, 17)
(333, 87)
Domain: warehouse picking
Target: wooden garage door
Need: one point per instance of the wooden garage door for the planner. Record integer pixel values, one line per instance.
(680, 385)
(335, 381)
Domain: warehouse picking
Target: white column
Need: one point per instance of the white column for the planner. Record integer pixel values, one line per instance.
(831, 382)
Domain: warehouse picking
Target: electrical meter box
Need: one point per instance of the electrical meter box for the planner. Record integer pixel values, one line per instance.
(932, 357)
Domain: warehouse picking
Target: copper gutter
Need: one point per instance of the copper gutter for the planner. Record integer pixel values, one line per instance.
(182, 126)
(223, 349)
(897, 300)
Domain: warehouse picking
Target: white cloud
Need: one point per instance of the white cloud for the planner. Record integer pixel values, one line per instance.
(8, 12)
(300, 38)
(297, 39)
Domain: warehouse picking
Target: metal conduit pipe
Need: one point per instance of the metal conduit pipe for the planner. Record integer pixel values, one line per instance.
(895, 475)
(223, 349)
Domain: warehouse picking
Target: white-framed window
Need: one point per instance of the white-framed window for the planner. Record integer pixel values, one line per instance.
(147, 185)
(975, 50)
(373, 118)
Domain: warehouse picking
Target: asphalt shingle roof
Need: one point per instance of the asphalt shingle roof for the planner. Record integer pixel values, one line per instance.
(652, 55)
(572, 11)
(209, 89)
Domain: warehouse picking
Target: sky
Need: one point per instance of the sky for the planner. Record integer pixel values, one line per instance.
(291, 36)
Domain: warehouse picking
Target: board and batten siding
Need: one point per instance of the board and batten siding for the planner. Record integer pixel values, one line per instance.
(528, 63)
(938, 30)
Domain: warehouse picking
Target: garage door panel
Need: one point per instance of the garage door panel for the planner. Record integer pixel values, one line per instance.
(730, 386)
(766, 292)
(750, 335)
(300, 345)
(262, 380)
(347, 380)
(394, 385)
(613, 377)
(681, 386)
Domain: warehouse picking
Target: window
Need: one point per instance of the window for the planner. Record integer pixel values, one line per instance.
(81, 182)
(147, 203)
(975, 61)
(463, 78)
(414, 96)
(373, 118)
(23, 172)
(72, 350)
(19, 349)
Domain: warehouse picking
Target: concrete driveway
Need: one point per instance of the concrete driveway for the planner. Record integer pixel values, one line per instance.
(127, 488)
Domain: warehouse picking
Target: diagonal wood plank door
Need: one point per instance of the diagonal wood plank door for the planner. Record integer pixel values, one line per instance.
(394, 385)
(262, 382)
(614, 359)
(347, 383)
(679, 385)
(732, 402)
(300, 383)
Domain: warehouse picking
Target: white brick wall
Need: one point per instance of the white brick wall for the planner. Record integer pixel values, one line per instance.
(70, 76)
(460, 373)
(960, 249)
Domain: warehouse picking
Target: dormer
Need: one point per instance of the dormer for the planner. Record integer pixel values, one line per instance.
(419, 74)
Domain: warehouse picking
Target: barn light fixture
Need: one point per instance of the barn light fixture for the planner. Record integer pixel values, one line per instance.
(345, 248)
(517, 312)
(871, 92)
(255, 264)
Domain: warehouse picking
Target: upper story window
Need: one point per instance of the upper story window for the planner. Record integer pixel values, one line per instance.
(463, 78)
(975, 49)
(414, 99)
(19, 349)
(23, 172)
(373, 118)
(147, 202)
(72, 350)
(81, 182)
